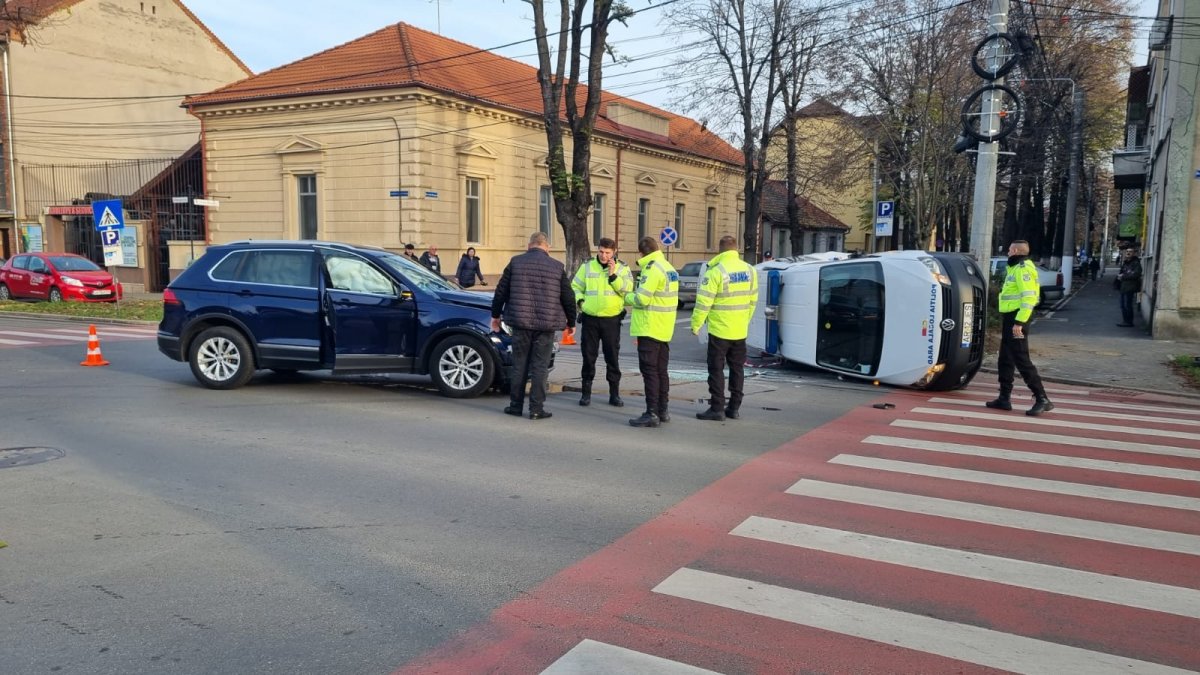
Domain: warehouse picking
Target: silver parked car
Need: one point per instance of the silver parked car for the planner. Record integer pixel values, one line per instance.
(689, 281)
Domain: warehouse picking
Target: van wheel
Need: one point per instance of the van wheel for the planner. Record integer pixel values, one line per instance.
(221, 358)
(461, 367)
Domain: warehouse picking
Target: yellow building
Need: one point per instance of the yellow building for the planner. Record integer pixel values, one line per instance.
(90, 83)
(834, 167)
(404, 136)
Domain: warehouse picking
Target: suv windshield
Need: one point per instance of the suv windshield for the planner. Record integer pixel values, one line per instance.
(64, 263)
(416, 273)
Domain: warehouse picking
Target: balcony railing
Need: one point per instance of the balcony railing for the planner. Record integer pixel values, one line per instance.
(1129, 168)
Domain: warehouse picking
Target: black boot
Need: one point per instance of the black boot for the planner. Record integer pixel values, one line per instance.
(714, 414)
(1000, 403)
(1041, 405)
(664, 416)
(586, 397)
(732, 413)
(614, 397)
(648, 419)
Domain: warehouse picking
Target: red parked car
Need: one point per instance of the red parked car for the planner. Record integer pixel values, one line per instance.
(57, 277)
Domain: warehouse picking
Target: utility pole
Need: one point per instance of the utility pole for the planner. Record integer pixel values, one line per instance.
(984, 210)
(1068, 252)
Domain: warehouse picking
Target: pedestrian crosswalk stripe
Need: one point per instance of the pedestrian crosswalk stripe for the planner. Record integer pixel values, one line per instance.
(1035, 457)
(1073, 424)
(1060, 410)
(590, 656)
(974, 390)
(1060, 439)
(16, 342)
(1029, 521)
(1021, 482)
(1021, 573)
(963, 642)
(1092, 403)
(44, 336)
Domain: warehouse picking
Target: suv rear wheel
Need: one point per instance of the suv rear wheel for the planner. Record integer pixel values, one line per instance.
(221, 358)
(461, 367)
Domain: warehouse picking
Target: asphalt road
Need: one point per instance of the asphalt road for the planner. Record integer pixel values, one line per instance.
(314, 524)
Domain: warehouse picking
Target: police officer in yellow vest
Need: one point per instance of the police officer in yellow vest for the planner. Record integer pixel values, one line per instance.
(1018, 297)
(725, 300)
(600, 286)
(654, 303)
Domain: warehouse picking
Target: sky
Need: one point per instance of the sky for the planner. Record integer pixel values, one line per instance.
(265, 34)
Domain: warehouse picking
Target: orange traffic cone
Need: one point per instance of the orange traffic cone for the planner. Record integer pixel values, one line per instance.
(568, 338)
(94, 357)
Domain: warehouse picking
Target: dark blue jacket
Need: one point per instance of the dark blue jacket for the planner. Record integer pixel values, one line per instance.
(534, 293)
(468, 271)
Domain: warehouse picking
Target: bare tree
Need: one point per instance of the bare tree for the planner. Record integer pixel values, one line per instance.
(559, 82)
(742, 56)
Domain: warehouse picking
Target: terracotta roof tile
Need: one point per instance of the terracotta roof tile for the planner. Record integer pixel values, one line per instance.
(774, 207)
(405, 56)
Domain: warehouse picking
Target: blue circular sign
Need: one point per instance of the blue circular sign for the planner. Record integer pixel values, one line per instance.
(668, 236)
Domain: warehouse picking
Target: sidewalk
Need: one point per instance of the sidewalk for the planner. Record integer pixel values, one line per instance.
(1079, 342)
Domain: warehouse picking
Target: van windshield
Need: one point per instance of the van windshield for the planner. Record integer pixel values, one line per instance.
(850, 317)
(415, 273)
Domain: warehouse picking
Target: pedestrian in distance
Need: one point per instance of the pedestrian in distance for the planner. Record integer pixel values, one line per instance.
(655, 302)
(534, 297)
(1130, 279)
(600, 285)
(1018, 296)
(431, 260)
(1094, 267)
(410, 252)
(468, 269)
(725, 300)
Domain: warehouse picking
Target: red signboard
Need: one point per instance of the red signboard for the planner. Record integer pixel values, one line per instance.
(75, 210)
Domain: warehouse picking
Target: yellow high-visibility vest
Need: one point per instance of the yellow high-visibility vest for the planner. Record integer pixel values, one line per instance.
(656, 299)
(599, 297)
(726, 297)
(1021, 290)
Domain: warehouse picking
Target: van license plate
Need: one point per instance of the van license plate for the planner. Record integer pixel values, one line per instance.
(968, 324)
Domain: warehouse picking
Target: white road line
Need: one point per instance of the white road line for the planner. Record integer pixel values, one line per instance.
(1071, 424)
(1019, 573)
(44, 336)
(1060, 410)
(1029, 521)
(1035, 457)
(891, 627)
(16, 342)
(1022, 482)
(590, 657)
(990, 390)
(1106, 404)
(1061, 439)
(102, 331)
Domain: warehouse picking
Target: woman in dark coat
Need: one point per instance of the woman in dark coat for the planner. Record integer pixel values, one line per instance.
(468, 270)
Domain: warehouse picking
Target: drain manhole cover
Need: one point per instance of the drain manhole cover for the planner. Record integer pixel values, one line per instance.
(11, 457)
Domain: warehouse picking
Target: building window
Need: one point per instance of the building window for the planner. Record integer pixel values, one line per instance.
(545, 209)
(598, 216)
(643, 217)
(306, 189)
(474, 214)
(679, 211)
(710, 229)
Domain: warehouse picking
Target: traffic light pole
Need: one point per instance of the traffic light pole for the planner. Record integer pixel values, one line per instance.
(984, 209)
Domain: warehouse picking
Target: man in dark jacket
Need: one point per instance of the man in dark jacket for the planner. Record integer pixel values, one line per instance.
(534, 297)
(1130, 282)
(431, 260)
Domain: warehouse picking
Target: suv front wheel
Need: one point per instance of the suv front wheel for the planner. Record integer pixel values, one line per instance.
(221, 358)
(461, 367)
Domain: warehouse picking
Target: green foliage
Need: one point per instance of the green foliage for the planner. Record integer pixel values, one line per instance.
(133, 310)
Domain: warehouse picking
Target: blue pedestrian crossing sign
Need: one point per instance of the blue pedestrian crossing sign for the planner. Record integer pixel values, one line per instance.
(668, 236)
(108, 214)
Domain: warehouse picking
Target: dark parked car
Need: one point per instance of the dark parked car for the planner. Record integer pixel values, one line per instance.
(291, 305)
(57, 277)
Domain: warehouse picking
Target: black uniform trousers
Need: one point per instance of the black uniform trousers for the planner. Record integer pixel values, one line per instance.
(720, 353)
(653, 358)
(531, 363)
(601, 332)
(1014, 354)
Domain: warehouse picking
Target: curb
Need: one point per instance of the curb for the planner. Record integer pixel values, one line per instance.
(1108, 385)
(80, 319)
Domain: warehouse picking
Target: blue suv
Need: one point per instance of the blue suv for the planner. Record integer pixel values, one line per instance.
(308, 305)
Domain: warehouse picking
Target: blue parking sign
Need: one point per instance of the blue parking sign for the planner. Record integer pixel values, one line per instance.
(885, 209)
(111, 237)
